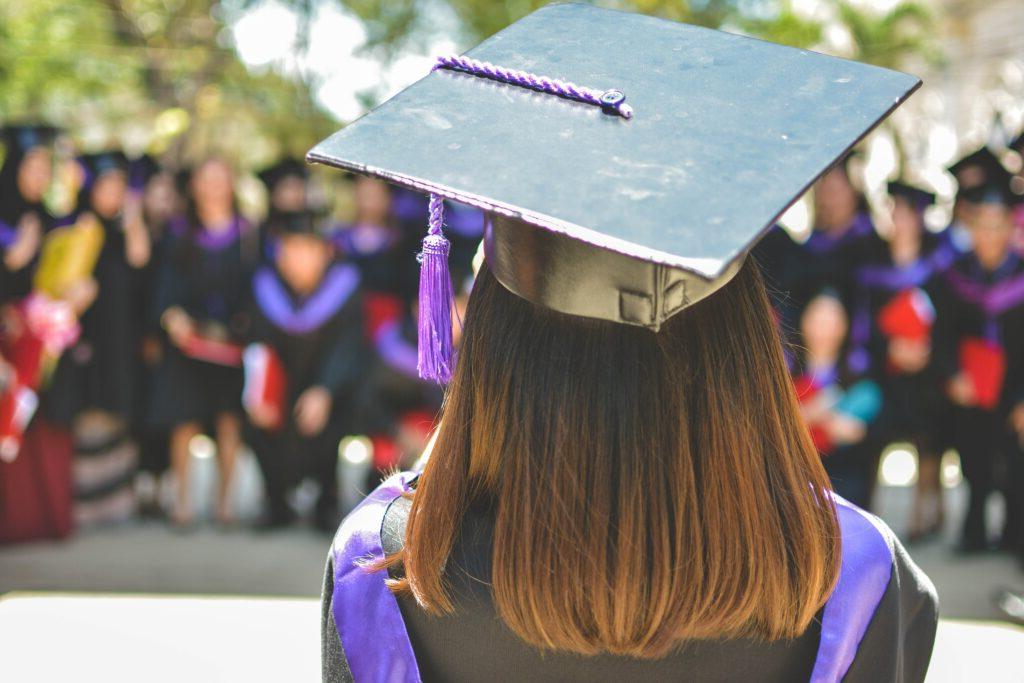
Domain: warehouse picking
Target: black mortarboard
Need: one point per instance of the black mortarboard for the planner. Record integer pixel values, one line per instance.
(1018, 143)
(99, 163)
(621, 213)
(304, 222)
(996, 188)
(22, 138)
(915, 196)
(271, 175)
(984, 160)
(142, 169)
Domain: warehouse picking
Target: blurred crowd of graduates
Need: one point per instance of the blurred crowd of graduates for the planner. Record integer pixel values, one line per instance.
(153, 311)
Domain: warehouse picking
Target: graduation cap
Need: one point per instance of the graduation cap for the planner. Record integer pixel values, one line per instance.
(627, 163)
(22, 138)
(1018, 143)
(141, 170)
(996, 188)
(284, 168)
(975, 169)
(304, 222)
(915, 196)
(101, 163)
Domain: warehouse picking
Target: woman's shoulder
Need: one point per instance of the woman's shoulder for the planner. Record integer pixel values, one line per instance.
(883, 613)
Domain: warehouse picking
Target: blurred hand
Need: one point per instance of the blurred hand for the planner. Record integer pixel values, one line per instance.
(1017, 421)
(909, 355)
(178, 325)
(81, 294)
(137, 246)
(312, 410)
(6, 374)
(961, 391)
(152, 350)
(26, 243)
(843, 429)
(262, 417)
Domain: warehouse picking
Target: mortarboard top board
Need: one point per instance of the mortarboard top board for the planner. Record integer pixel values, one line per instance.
(142, 169)
(98, 163)
(915, 196)
(271, 175)
(623, 219)
(983, 159)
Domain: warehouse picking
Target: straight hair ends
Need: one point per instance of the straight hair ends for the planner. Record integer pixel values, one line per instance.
(647, 488)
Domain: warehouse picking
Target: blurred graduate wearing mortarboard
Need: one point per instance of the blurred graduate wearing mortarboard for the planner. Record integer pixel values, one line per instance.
(620, 435)
(971, 171)
(891, 326)
(96, 382)
(839, 400)
(978, 337)
(154, 185)
(36, 499)
(306, 328)
(286, 182)
(25, 179)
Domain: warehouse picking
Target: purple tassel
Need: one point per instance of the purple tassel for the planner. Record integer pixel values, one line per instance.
(436, 349)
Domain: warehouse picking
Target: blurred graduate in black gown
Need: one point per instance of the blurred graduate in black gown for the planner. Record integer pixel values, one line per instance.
(840, 404)
(97, 378)
(892, 324)
(154, 185)
(24, 180)
(203, 284)
(307, 311)
(840, 233)
(287, 191)
(978, 342)
(43, 461)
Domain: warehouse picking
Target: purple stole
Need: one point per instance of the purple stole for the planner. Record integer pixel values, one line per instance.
(396, 352)
(339, 282)
(891, 278)
(820, 242)
(377, 646)
(211, 241)
(991, 299)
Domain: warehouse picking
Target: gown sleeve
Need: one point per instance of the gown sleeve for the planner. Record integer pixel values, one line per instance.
(898, 643)
(333, 665)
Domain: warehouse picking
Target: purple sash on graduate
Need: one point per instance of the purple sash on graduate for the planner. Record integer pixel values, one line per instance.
(993, 299)
(890, 278)
(366, 613)
(338, 284)
(821, 242)
(864, 575)
(397, 353)
(209, 240)
(376, 643)
(894, 278)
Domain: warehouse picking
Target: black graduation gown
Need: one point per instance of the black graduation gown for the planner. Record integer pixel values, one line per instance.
(981, 435)
(207, 275)
(913, 406)
(474, 645)
(325, 350)
(100, 371)
(832, 261)
(17, 284)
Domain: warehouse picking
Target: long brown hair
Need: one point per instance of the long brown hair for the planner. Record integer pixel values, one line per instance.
(647, 487)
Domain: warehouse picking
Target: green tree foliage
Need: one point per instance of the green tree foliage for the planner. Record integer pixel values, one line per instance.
(150, 70)
(888, 39)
